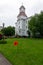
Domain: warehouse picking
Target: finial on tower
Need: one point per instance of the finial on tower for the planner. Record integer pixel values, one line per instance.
(22, 6)
(22, 3)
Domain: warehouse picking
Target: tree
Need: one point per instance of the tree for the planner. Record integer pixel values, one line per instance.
(1, 36)
(36, 24)
(9, 31)
(40, 18)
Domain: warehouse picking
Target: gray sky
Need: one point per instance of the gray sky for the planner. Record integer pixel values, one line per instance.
(9, 9)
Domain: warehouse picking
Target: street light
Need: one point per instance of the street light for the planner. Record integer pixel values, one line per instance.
(3, 25)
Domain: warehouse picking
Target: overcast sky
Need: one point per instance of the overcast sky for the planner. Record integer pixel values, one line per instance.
(9, 9)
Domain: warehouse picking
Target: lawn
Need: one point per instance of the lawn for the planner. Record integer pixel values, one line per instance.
(28, 51)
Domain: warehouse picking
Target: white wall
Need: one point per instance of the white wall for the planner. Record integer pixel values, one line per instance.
(21, 25)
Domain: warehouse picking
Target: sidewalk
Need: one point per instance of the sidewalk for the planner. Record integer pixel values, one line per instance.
(4, 61)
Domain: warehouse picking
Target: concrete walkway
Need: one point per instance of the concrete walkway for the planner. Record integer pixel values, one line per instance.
(4, 61)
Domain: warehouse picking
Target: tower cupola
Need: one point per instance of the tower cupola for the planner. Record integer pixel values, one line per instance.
(22, 11)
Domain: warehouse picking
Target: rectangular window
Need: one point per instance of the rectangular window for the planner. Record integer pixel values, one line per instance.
(19, 31)
(19, 26)
(26, 26)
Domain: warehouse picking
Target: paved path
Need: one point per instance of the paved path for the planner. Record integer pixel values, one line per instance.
(4, 61)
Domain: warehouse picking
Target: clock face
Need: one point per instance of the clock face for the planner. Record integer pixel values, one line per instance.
(22, 10)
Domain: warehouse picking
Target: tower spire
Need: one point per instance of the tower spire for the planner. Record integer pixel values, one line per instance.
(22, 3)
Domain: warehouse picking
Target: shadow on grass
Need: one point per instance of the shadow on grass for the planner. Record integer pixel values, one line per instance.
(3, 42)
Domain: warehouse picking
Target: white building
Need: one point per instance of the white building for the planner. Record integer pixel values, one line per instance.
(21, 26)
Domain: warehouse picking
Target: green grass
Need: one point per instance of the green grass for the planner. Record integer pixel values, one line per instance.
(28, 51)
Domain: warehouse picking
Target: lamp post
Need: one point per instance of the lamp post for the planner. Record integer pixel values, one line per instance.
(3, 25)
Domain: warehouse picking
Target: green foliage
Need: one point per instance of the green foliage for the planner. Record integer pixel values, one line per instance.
(3, 42)
(1, 36)
(0, 32)
(36, 24)
(9, 31)
(40, 17)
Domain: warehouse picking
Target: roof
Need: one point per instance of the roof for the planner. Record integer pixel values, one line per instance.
(22, 14)
(22, 7)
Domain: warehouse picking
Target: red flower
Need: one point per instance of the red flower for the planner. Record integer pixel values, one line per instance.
(15, 43)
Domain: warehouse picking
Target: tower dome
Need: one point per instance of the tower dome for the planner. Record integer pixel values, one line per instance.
(22, 11)
(22, 7)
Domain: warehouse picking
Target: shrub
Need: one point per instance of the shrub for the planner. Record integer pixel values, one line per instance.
(1, 36)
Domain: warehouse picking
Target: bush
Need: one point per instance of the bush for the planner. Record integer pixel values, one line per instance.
(1, 36)
(3, 42)
(8, 31)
